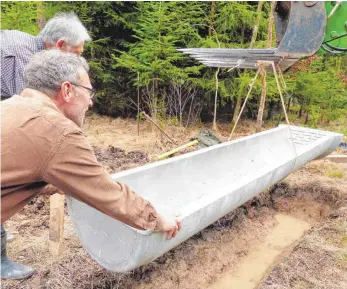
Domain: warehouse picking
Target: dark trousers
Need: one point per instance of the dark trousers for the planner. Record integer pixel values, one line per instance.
(3, 241)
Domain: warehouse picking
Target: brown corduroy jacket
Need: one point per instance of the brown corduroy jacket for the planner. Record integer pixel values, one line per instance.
(40, 146)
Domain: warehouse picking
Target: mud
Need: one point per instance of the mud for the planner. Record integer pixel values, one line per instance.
(248, 273)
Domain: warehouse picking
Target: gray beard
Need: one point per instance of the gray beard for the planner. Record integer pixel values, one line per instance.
(77, 117)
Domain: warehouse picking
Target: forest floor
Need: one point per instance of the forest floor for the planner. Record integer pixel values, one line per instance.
(293, 235)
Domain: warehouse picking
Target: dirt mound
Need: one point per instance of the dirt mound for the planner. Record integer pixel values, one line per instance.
(116, 159)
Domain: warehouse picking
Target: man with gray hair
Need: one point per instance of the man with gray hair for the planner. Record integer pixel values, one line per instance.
(42, 143)
(64, 31)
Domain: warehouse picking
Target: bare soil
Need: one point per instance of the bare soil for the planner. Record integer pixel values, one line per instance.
(315, 195)
(115, 159)
(278, 241)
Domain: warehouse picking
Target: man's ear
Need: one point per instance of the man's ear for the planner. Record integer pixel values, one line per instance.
(61, 44)
(67, 92)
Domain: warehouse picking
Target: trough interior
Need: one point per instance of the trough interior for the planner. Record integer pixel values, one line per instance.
(189, 180)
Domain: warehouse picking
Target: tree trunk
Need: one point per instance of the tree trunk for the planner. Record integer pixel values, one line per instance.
(236, 109)
(243, 33)
(307, 115)
(219, 102)
(271, 22)
(211, 19)
(300, 111)
(289, 103)
(256, 25)
(154, 98)
(271, 110)
(138, 103)
(214, 126)
(41, 22)
(262, 98)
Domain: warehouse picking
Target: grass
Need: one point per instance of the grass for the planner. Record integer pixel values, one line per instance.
(339, 125)
(344, 241)
(334, 173)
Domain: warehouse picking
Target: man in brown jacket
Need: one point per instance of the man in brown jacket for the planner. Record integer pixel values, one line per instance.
(42, 143)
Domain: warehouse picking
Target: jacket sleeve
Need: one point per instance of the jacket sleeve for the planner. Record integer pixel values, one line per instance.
(75, 170)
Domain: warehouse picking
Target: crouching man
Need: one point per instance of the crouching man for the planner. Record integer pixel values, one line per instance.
(42, 143)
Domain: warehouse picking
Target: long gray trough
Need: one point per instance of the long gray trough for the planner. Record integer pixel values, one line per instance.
(199, 188)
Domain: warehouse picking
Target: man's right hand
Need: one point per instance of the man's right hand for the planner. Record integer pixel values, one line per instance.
(170, 227)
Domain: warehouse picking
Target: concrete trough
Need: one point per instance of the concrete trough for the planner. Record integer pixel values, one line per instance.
(199, 188)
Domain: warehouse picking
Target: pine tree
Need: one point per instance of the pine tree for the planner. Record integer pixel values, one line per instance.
(154, 55)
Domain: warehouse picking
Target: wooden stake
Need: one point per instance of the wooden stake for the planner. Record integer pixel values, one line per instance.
(280, 92)
(263, 71)
(165, 155)
(56, 224)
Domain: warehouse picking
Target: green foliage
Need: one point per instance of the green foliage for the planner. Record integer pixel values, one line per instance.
(319, 91)
(152, 51)
(233, 21)
(21, 16)
(154, 55)
(143, 37)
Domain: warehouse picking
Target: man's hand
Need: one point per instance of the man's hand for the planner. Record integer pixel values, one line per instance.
(170, 227)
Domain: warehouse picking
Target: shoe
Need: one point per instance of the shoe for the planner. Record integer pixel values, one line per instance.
(10, 269)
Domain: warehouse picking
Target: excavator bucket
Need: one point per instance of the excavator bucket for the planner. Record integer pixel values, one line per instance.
(303, 36)
(199, 188)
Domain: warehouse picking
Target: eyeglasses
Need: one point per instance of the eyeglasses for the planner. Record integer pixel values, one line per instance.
(92, 91)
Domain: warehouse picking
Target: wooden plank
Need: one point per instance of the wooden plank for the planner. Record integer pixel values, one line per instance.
(56, 224)
(165, 155)
(340, 159)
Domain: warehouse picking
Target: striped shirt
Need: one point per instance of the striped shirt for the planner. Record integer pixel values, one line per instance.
(16, 50)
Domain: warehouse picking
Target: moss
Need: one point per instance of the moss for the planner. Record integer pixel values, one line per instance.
(334, 173)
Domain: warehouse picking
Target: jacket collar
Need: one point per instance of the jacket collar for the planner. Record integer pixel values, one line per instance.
(38, 99)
